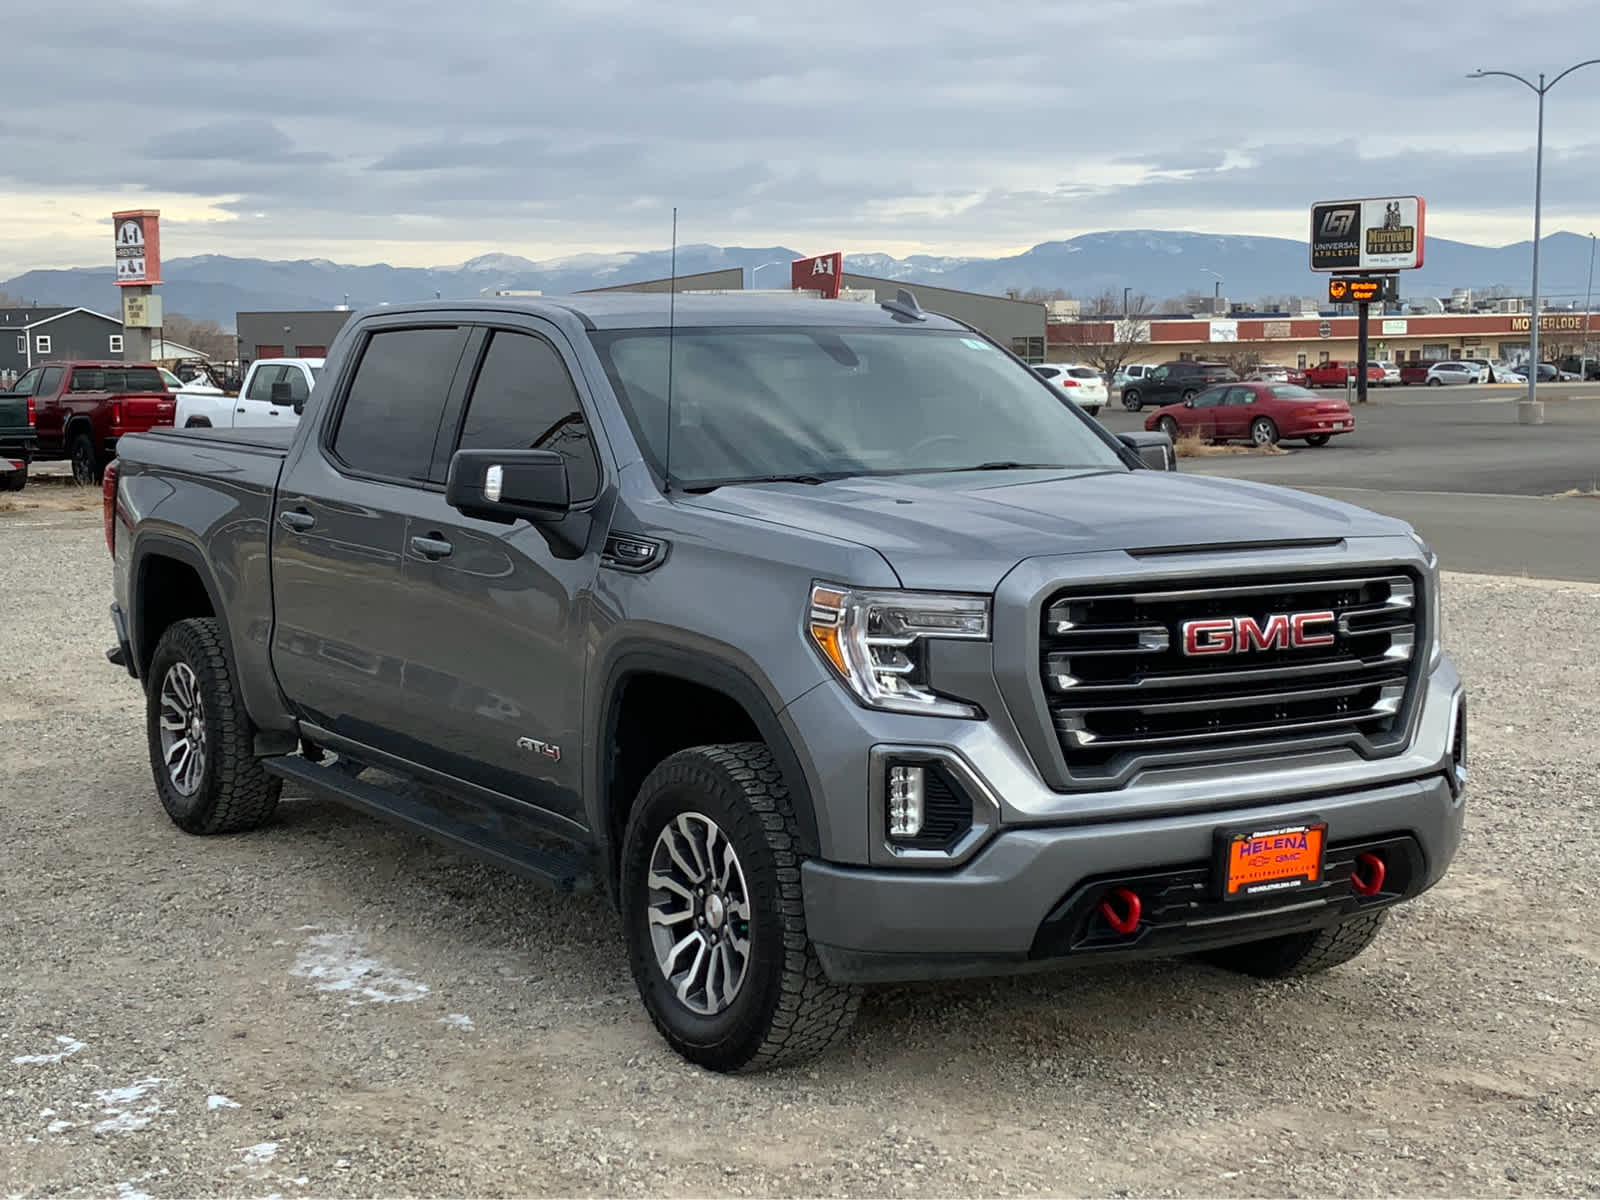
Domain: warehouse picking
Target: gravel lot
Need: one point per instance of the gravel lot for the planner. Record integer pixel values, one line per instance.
(329, 1008)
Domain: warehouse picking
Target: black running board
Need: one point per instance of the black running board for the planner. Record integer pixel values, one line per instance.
(567, 875)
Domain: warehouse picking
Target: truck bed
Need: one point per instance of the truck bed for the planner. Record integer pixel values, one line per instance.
(264, 440)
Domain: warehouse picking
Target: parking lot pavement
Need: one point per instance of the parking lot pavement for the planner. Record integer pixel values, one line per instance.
(1455, 463)
(330, 1007)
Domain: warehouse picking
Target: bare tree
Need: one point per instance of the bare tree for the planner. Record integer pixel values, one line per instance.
(1108, 345)
(1242, 361)
(1040, 295)
(206, 336)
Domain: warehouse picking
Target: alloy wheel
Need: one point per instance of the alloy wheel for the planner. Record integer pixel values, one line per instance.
(699, 913)
(183, 729)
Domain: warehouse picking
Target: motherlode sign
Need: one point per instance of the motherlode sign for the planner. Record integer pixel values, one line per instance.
(137, 236)
(1374, 234)
(820, 273)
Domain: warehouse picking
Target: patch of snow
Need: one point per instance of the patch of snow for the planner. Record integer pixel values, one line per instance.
(58, 1126)
(69, 1047)
(118, 1106)
(47, 1112)
(127, 1191)
(337, 962)
(215, 1102)
(457, 1021)
(259, 1154)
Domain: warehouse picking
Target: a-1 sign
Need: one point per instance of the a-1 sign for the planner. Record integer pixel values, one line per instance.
(1374, 234)
(822, 273)
(137, 236)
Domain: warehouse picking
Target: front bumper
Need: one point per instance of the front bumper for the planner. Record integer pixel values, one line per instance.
(1030, 898)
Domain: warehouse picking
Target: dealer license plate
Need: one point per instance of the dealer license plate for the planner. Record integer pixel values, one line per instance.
(1279, 858)
(1338, 424)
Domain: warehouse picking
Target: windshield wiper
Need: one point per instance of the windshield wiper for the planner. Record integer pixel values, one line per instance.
(1008, 465)
(712, 484)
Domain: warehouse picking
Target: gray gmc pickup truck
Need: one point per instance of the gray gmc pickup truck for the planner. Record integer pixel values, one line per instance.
(821, 636)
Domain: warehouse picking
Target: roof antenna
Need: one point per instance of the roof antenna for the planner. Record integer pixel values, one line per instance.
(672, 311)
(905, 305)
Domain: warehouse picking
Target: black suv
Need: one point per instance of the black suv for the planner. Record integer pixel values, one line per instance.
(1175, 381)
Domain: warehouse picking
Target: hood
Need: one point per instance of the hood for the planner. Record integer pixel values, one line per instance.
(967, 531)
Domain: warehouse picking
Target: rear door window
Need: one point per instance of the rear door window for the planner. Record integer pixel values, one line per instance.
(391, 413)
(49, 381)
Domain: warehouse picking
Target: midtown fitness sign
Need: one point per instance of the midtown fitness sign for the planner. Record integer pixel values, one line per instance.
(1375, 234)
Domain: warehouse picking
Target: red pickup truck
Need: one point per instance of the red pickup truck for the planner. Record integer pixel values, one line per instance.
(1336, 374)
(81, 409)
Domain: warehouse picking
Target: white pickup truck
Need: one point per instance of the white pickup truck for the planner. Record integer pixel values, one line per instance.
(267, 397)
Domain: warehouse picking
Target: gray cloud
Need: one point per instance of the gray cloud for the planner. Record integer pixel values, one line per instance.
(507, 125)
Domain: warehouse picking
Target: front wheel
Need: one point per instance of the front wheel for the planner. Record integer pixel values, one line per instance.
(1189, 394)
(1131, 400)
(714, 919)
(1295, 954)
(201, 740)
(1318, 439)
(86, 466)
(1169, 427)
(1263, 432)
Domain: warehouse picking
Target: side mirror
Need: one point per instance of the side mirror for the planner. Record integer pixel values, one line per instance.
(1153, 448)
(282, 393)
(508, 485)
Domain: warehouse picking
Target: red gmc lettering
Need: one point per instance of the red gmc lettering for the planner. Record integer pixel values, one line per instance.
(1208, 637)
(1302, 622)
(1274, 637)
(1240, 635)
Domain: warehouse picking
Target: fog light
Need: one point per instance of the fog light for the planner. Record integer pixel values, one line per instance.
(905, 801)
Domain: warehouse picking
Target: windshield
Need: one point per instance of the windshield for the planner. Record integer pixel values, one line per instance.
(755, 403)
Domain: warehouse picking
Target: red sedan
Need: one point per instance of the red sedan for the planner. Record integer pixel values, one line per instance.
(1263, 413)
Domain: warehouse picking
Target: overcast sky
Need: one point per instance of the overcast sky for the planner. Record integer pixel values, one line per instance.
(422, 133)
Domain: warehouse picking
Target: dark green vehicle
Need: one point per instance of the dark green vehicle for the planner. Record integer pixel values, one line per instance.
(17, 439)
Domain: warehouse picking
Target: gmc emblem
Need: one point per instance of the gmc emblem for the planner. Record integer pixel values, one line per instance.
(1242, 635)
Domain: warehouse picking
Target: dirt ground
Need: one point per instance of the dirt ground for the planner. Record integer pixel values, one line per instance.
(330, 1008)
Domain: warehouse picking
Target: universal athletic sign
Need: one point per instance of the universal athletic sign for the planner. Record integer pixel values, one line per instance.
(1384, 233)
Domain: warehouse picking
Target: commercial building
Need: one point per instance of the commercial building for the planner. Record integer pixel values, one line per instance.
(1304, 341)
(302, 334)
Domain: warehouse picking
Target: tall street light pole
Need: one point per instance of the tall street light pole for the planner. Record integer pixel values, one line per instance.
(1530, 411)
(774, 263)
(1588, 293)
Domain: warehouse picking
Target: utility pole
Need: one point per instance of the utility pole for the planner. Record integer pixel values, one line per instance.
(1588, 294)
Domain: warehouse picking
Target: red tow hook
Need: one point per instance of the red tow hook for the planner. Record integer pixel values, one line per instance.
(1367, 873)
(1125, 920)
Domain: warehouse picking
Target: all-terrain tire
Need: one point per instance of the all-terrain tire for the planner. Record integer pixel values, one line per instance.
(231, 792)
(87, 468)
(1295, 954)
(785, 1009)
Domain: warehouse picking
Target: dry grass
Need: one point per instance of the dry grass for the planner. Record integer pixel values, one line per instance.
(1191, 446)
(1578, 494)
(51, 493)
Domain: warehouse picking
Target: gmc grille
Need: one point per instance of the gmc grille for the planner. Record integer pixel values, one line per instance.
(1122, 692)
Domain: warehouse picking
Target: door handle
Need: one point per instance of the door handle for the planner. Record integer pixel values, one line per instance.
(238, 410)
(295, 521)
(433, 548)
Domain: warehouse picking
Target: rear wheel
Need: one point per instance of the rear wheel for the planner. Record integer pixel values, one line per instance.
(1435, 382)
(1318, 439)
(87, 468)
(1093, 411)
(1169, 427)
(197, 423)
(714, 918)
(1263, 432)
(201, 740)
(1131, 400)
(1301, 953)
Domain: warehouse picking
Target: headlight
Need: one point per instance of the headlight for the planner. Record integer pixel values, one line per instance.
(877, 643)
